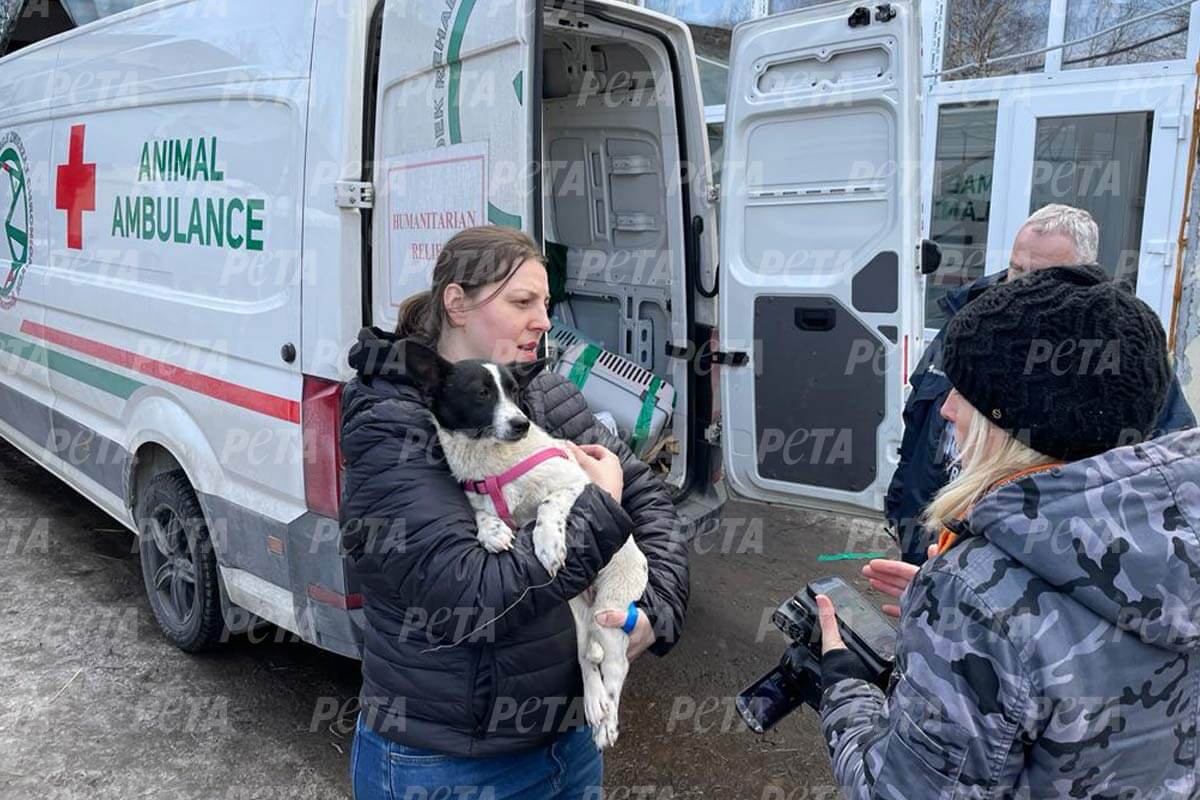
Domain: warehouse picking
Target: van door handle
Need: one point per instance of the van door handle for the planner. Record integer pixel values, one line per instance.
(815, 319)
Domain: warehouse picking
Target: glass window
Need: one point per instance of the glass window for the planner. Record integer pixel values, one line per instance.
(23, 26)
(716, 149)
(1099, 163)
(712, 55)
(780, 6)
(713, 13)
(84, 11)
(712, 24)
(962, 200)
(1160, 38)
(978, 30)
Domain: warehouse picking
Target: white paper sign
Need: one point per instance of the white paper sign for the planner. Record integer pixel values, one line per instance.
(431, 196)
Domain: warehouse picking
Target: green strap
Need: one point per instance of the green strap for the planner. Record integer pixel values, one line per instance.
(583, 367)
(849, 556)
(641, 428)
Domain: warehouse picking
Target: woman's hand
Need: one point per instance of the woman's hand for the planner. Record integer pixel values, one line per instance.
(892, 577)
(642, 636)
(602, 466)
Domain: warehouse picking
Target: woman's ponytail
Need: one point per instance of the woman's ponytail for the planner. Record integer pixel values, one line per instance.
(417, 320)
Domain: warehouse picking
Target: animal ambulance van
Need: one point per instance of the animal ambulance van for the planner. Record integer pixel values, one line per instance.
(205, 200)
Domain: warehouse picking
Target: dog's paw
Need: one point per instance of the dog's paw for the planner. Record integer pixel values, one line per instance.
(596, 707)
(493, 534)
(605, 734)
(550, 546)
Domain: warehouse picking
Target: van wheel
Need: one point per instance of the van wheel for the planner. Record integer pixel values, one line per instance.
(178, 563)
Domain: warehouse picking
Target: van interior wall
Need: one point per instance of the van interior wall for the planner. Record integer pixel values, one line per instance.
(610, 144)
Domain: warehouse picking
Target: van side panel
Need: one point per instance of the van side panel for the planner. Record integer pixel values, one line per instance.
(177, 139)
(25, 198)
(166, 147)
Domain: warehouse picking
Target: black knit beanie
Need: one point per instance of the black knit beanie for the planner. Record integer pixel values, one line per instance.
(1064, 359)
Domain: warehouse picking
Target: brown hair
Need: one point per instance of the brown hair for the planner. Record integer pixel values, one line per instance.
(473, 258)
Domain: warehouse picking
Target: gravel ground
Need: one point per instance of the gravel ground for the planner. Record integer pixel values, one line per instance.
(97, 704)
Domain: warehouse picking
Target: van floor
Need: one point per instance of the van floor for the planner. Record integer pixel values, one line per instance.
(97, 704)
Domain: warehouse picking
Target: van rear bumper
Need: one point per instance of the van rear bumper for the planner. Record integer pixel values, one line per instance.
(292, 574)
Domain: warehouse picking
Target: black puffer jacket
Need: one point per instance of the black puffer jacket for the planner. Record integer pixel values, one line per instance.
(426, 582)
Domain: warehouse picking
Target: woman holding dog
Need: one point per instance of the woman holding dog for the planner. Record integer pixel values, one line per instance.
(1049, 648)
(447, 700)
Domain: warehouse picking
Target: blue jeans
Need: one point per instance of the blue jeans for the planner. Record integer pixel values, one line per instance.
(568, 769)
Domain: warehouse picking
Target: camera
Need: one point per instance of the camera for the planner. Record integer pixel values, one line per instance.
(797, 679)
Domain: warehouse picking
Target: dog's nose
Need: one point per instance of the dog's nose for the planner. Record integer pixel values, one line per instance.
(519, 427)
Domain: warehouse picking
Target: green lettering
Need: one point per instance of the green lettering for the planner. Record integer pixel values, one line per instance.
(144, 169)
(235, 241)
(212, 219)
(118, 225)
(217, 175)
(195, 224)
(180, 236)
(160, 160)
(147, 218)
(253, 224)
(201, 159)
(183, 160)
(162, 221)
(133, 215)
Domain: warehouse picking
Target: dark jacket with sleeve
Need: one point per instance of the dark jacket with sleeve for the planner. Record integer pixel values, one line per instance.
(927, 451)
(409, 534)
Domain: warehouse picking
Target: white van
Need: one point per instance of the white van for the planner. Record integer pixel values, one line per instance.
(206, 199)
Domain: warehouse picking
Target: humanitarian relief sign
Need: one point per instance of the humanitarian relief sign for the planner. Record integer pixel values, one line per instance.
(431, 196)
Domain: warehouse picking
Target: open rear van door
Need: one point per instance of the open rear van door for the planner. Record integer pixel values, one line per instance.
(819, 299)
(453, 133)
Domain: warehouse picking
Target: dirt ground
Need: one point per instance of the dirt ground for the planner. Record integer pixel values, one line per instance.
(96, 704)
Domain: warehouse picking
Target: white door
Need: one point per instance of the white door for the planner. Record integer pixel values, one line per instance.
(1122, 155)
(453, 135)
(819, 227)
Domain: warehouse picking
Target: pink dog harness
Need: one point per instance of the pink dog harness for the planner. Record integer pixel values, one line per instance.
(493, 484)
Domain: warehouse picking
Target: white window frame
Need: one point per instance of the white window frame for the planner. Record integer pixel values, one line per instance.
(1015, 98)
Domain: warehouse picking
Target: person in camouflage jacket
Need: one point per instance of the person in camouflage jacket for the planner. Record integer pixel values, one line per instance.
(1048, 650)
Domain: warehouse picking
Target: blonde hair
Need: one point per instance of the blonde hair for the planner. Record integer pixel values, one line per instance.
(979, 474)
(1074, 223)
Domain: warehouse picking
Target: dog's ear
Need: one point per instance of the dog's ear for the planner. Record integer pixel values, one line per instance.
(424, 366)
(525, 371)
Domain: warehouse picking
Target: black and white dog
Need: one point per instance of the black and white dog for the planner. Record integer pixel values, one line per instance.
(515, 473)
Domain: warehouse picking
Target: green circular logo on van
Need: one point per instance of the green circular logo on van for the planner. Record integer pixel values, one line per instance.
(17, 209)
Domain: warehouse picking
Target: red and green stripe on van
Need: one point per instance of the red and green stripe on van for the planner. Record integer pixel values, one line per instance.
(121, 385)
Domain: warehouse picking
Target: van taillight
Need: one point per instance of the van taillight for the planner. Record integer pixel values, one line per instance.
(320, 431)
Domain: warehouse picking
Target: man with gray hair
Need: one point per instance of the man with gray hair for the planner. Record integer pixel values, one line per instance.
(1053, 236)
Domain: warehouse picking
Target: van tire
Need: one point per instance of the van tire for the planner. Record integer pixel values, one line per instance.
(179, 566)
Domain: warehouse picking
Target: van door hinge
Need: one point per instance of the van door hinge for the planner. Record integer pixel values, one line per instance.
(712, 434)
(354, 194)
(714, 193)
(731, 358)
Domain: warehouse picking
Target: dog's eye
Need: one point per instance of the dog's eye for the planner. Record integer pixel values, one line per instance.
(484, 391)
